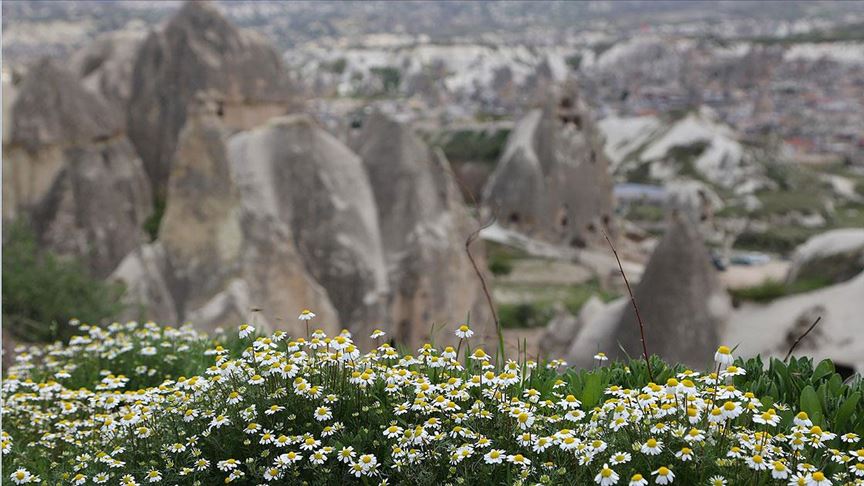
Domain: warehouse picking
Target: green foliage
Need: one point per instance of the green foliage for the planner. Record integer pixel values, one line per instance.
(574, 61)
(779, 239)
(525, 315)
(473, 145)
(151, 225)
(42, 292)
(538, 313)
(684, 156)
(390, 77)
(645, 213)
(772, 289)
(579, 294)
(181, 394)
(500, 265)
(336, 67)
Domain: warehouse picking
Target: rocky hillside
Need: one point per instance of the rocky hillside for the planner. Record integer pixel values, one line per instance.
(257, 214)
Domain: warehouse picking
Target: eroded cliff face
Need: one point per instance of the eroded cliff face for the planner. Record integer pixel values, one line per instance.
(222, 256)
(553, 181)
(199, 51)
(317, 187)
(70, 171)
(424, 225)
(105, 67)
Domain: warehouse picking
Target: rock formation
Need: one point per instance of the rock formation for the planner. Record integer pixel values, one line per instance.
(105, 66)
(564, 327)
(681, 300)
(199, 51)
(224, 252)
(835, 256)
(69, 169)
(770, 330)
(317, 187)
(552, 181)
(424, 225)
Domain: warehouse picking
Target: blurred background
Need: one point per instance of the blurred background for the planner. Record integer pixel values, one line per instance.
(226, 162)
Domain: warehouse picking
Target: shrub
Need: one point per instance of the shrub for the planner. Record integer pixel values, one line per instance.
(500, 264)
(525, 315)
(42, 292)
(316, 410)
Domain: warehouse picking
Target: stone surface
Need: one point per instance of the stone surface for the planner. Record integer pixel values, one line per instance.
(144, 272)
(834, 256)
(70, 171)
(230, 259)
(564, 327)
(199, 51)
(424, 225)
(105, 66)
(318, 188)
(681, 300)
(553, 181)
(770, 330)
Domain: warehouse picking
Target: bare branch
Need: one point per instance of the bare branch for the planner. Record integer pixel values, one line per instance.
(471, 238)
(635, 308)
(801, 337)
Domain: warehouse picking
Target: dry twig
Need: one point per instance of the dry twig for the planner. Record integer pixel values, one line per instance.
(801, 337)
(635, 308)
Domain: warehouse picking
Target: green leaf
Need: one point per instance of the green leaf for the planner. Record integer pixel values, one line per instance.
(835, 386)
(823, 369)
(592, 391)
(844, 413)
(810, 402)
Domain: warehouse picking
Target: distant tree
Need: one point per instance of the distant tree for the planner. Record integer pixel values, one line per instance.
(42, 291)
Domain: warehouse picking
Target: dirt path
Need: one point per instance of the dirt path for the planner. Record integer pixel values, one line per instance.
(740, 276)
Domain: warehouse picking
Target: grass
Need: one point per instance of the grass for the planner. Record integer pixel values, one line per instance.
(541, 308)
(770, 289)
(779, 239)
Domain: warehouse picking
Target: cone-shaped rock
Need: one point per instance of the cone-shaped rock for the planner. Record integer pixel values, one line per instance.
(105, 66)
(70, 170)
(424, 225)
(198, 50)
(223, 256)
(317, 186)
(552, 181)
(681, 299)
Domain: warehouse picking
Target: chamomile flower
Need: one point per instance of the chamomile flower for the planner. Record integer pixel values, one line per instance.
(723, 356)
(620, 458)
(323, 413)
(464, 332)
(21, 476)
(606, 476)
(637, 480)
(246, 330)
(818, 479)
(494, 456)
(664, 475)
(519, 460)
(685, 454)
(652, 447)
(306, 315)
